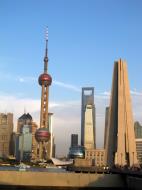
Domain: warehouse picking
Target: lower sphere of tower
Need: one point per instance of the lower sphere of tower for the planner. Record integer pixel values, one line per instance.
(45, 79)
(42, 135)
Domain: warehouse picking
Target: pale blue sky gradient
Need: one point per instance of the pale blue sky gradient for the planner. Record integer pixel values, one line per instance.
(85, 37)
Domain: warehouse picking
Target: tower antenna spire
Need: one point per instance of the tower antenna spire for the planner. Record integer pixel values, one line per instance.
(46, 51)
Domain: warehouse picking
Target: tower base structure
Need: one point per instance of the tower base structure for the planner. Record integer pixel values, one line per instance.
(43, 151)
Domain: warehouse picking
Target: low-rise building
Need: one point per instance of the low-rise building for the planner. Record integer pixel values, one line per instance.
(96, 155)
(138, 140)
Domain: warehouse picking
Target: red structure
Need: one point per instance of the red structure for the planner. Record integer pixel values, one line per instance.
(42, 135)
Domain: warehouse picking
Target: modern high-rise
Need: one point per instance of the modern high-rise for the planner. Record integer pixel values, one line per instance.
(6, 131)
(74, 140)
(138, 139)
(51, 143)
(120, 140)
(88, 139)
(26, 121)
(25, 144)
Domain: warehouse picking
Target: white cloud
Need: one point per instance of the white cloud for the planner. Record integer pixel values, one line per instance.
(67, 86)
(67, 115)
(135, 93)
(106, 93)
(27, 79)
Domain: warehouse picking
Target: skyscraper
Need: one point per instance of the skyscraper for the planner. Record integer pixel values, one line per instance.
(120, 140)
(6, 130)
(25, 119)
(88, 139)
(51, 145)
(25, 122)
(42, 134)
(106, 125)
(25, 144)
(74, 140)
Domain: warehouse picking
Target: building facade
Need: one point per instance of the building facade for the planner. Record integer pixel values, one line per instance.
(138, 130)
(50, 145)
(25, 144)
(6, 131)
(106, 125)
(25, 119)
(76, 152)
(97, 156)
(138, 139)
(120, 140)
(34, 143)
(88, 136)
(26, 129)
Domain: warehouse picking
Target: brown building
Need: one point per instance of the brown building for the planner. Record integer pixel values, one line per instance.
(97, 156)
(34, 143)
(120, 139)
(6, 130)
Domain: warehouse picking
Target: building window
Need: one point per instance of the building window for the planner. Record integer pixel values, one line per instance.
(3, 120)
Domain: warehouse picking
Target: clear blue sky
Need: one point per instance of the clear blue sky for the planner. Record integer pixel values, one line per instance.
(85, 38)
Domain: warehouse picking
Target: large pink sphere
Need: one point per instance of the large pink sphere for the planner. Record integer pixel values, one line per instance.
(42, 135)
(45, 79)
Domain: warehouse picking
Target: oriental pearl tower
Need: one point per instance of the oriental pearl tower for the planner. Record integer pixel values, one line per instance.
(42, 134)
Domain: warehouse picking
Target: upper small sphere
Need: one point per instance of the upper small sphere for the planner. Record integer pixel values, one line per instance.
(45, 79)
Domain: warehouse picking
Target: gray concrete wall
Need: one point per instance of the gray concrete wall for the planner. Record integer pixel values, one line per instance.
(60, 179)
